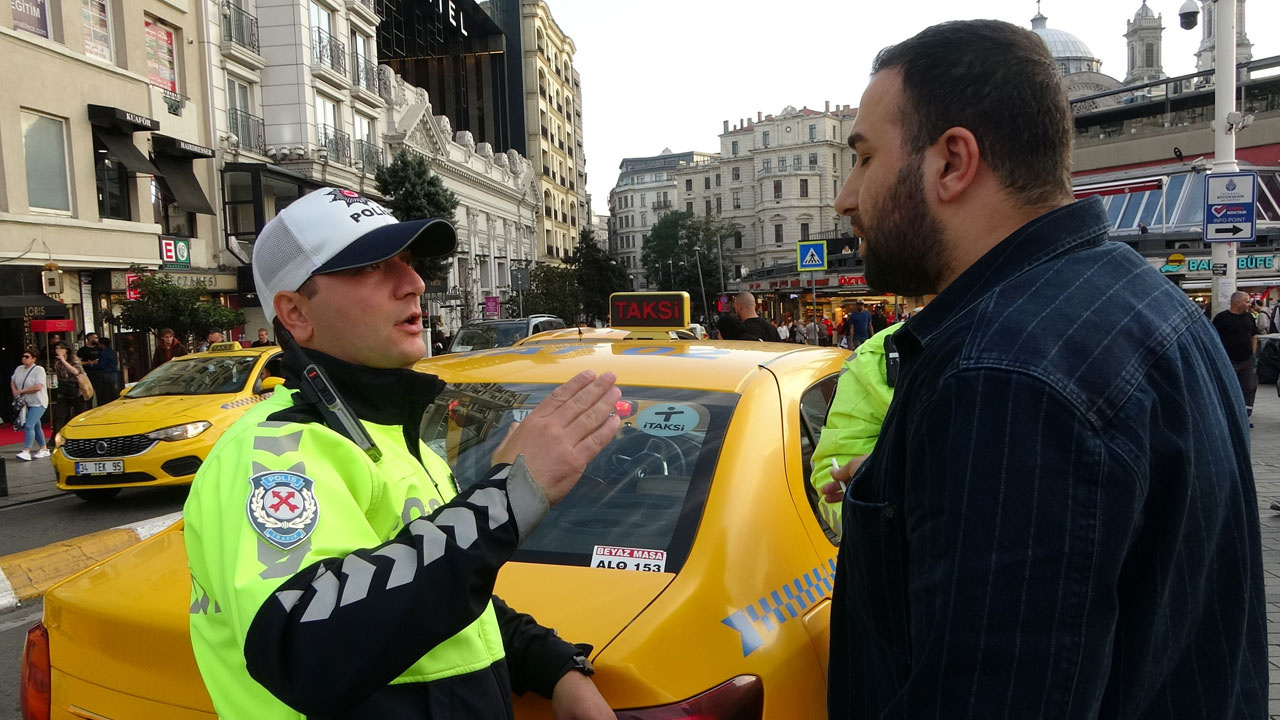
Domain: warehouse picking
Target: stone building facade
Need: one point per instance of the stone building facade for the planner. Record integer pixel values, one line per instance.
(553, 121)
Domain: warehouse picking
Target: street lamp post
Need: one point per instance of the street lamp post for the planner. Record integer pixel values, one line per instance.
(1224, 139)
(706, 310)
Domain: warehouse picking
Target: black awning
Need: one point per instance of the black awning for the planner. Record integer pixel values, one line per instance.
(121, 146)
(121, 120)
(179, 148)
(15, 306)
(178, 180)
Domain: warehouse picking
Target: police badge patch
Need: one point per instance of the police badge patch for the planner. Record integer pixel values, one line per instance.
(282, 507)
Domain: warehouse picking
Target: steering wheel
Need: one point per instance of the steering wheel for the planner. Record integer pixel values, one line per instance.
(657, 456)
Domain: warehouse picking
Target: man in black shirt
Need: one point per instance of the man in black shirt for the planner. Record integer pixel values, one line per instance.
(744, 304)
(742, 322)
(1239, 333)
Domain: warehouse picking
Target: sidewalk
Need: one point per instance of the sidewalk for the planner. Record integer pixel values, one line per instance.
(1266, 474)
(28, 480)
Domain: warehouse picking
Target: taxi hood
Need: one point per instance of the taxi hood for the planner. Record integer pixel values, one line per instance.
(127, 416)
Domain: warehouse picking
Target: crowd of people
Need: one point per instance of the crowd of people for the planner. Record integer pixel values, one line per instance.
(858, 322)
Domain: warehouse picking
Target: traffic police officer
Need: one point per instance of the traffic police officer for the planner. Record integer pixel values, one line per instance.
(336, 570)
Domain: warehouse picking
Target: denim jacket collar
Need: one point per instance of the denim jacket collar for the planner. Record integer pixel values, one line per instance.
(1071, 227)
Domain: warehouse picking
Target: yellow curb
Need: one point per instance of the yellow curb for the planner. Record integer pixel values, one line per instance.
(31, 572)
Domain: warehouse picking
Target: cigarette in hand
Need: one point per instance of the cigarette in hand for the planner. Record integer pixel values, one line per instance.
(835, 465)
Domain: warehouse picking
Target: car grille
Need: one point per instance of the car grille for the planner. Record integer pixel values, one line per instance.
(114, 447)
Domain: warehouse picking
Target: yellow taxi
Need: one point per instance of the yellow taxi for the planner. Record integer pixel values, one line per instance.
(161, 428)
(689, 555)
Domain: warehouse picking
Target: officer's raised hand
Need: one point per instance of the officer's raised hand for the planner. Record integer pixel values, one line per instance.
(565, 432)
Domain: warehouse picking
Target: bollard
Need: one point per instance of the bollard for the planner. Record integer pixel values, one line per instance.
(4, 480)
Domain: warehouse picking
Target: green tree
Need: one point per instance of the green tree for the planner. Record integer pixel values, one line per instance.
(553, 289)
(677, 247)
(598, 276)
(413, 192)
(189, 311)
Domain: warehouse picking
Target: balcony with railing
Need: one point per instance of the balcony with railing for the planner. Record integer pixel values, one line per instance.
(368, 156)
(328, 53)
(250, 130)
(364, 75)
(365, 8)
(239, 27)
(240, 37)
(661, 205)
(335, 143)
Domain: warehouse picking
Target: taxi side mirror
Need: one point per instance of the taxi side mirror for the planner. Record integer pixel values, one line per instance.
(270, 383)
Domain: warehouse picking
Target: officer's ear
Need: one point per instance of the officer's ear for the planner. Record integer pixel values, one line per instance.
(292, 312)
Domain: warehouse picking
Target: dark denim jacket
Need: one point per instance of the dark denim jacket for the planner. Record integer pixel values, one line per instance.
(1059, 519)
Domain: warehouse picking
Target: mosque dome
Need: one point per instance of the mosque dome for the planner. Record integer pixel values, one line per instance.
(1068, 50)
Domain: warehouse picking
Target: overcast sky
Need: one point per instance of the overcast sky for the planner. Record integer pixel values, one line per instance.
(667, 73)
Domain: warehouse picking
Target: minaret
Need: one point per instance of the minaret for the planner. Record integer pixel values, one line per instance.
(1144, 36)
(1244, 48)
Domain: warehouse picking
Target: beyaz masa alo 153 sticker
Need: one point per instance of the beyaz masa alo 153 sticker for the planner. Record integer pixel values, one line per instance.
(282, 507)
(667, 419)
(623, 558)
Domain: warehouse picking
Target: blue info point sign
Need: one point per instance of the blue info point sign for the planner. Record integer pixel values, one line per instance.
(1230, 207)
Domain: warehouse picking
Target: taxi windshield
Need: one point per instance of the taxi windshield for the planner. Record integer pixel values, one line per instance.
(641, 498)
(209, 375)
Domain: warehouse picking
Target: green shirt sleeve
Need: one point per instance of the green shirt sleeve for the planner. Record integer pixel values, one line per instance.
(853, 422)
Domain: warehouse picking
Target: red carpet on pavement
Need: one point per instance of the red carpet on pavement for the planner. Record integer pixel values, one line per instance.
(9, 436)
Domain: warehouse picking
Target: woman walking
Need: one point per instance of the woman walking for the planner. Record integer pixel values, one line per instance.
(28, 383)
(67, 400)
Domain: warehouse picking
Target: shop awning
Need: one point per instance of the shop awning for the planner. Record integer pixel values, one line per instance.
(173, 157)
(114, 128)
(35, 306)
(121, 120)
(1241, 282)
(122, 148)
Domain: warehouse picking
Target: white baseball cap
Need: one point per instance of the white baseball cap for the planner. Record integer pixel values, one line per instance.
(335, 229)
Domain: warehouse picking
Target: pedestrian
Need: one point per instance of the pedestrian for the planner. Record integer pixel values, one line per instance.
(878, 320)
(811, 331)
(311, 486)
(88, 352)
(263, 339)
(784, 329)
(826, 330)
(168, 347)
(212, 338)
(106, 382)
(28, 385)
(861, 322)
(67, 401)
(1053, 522)
(757, 328)
(1239, 334)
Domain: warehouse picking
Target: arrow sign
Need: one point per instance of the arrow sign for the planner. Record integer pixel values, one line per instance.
(1230, 207)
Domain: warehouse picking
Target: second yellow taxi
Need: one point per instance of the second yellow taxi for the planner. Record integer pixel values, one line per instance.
(159, 431)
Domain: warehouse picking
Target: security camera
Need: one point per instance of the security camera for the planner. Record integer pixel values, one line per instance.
(1189, 14)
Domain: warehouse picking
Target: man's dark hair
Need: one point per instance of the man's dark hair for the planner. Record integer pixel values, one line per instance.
(1000, 83)
(104, 342)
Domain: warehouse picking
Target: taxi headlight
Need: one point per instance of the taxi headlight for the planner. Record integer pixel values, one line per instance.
(58, 440)
(180, 432)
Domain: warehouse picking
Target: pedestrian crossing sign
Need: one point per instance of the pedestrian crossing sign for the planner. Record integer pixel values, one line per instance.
(811, 255)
